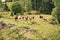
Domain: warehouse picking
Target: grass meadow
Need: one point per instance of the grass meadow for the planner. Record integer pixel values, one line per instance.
(43, 30)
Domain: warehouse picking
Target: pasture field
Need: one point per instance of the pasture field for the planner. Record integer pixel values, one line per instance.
(43, 30)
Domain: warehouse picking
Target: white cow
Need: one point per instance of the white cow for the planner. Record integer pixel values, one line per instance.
(19, 17)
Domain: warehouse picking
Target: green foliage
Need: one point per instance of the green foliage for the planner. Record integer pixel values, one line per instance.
(16, 8)
(46, 6)
(8, 0)
(6, 8)
(1, 4)
(39, 5)
(26, 4)
(36, 4)
(11, 0)
(12, 14)
(56, 10)
(56, 3)
(53, 21)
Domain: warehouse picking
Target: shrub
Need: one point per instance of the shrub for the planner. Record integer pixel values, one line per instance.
(12, 13)
(6, 7)
(16, 8)
(56, 10)
(53, 21)
(56, 13)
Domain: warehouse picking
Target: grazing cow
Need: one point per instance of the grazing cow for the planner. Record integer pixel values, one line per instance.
(30, 19)
(33, 17)
(19, 17)
(16, 17)
(22, 17)
(26, 18)
(41, 16)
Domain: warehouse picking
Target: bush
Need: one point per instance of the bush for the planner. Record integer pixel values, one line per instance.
(6, 7)
(12, 13)
(17, 8)
(56, 13)
(56, 10)
(53, 21)
(46, 7)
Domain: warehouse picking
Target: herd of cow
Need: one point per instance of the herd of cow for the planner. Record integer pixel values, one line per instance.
(2, 24)
(27, 17)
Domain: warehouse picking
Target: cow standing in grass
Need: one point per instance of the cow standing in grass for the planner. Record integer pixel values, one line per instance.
(43, 18)
(16, 17)
(31, 18)
(19, 17)
(40, 16)
(26, 18)
(23, 17)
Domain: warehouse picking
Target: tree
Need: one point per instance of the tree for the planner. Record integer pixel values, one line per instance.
(0, 3)
(56, 10)
(36, 4)
(16, 8)
(26, 4)
(9, 0)
(46, 6)
(6, 7)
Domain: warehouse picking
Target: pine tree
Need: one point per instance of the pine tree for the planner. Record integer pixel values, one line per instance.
(46, 6)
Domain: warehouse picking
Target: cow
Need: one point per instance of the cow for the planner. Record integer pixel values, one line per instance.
(19, 17)
(30, 19)
(26, 18)
(40, 16)
(33, 17)
(23, 17)
(16, 17)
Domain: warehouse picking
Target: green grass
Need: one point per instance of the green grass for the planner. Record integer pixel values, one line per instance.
(45, 31)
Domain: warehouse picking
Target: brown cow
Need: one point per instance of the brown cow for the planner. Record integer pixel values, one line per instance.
(26, 18)
(22, 17)
(33, 17)
(16, 17)
(30, 19)
(41, 16)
